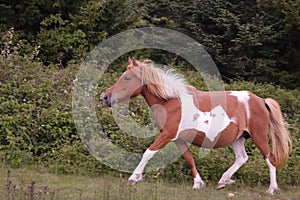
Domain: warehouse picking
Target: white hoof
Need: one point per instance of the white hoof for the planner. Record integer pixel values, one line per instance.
(131, 182)
(223, 184)
(134, 178)
(198, 183)
(272, 190)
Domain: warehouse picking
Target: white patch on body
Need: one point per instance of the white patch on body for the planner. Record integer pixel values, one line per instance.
(211, 123)
(243, 97)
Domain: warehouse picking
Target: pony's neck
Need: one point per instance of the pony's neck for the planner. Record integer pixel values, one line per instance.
(150, 98)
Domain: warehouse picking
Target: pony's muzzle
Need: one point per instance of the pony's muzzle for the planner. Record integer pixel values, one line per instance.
(106, 99)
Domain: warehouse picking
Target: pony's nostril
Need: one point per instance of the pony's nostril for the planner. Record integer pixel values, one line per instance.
(104, 96)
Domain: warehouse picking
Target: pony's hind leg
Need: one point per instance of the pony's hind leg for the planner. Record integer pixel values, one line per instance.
(240, 158)
(262, 143)
(273, 183)
(184, 149)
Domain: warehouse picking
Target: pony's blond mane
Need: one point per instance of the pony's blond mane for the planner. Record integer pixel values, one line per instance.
(163, 84)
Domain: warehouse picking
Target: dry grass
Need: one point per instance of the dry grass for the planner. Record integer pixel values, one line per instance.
(28, 184)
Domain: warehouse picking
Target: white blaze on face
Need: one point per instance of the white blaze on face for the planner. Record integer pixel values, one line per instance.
(243, 97)
(211, 123)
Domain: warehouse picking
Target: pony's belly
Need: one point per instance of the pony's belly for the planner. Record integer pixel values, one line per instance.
(198, 138)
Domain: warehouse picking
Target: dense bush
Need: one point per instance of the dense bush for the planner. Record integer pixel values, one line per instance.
(35, 109)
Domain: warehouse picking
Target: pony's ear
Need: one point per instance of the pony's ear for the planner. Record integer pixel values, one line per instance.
(129, 61)
(134, 62)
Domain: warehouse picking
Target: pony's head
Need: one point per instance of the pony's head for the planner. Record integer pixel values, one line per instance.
(127, 86)
(141, 76)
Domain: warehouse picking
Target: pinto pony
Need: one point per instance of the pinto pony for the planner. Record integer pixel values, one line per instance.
(186, 115)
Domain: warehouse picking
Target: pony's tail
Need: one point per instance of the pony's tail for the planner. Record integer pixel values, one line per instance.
(280, 136)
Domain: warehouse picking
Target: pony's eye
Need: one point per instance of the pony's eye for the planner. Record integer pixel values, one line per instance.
(127, 78)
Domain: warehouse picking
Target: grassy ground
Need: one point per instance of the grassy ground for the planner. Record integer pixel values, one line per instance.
(29, 184)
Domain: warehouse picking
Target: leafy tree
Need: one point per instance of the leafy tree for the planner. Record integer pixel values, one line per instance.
(101, 19)
(288, 13)
(26, 15)
(252, 40)
(63, 40)
(243, 38)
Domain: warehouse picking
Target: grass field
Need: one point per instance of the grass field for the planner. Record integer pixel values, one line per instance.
(28, 184)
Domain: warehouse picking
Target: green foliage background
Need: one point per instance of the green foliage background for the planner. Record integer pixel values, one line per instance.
(255, 44)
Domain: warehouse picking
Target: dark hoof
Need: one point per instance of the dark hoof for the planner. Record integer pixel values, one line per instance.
(221, 186)
(131, 182)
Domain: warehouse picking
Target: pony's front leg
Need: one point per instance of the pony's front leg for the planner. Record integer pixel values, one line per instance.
(137, 175)
(184, 149)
